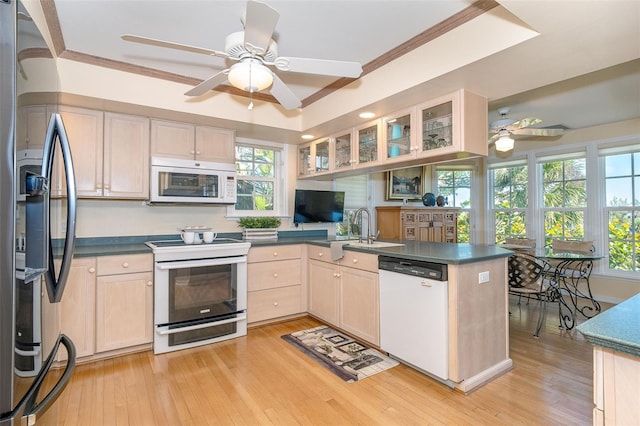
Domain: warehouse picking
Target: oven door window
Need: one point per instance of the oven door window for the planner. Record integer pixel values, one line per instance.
(202, 292)
(176, 184)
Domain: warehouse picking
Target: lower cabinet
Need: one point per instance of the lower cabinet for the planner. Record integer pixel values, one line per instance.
(124, 303)
(275, 282)
(345, 293)
(108, 303)
(77, 307)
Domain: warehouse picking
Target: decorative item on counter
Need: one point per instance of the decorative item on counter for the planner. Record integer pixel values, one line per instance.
(442, 201)
(429, 199)
(259, 228)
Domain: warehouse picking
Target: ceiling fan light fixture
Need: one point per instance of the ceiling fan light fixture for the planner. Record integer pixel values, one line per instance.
(250, 75)
(505, 143)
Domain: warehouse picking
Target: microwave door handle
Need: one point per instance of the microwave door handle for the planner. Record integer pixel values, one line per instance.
(55, 132)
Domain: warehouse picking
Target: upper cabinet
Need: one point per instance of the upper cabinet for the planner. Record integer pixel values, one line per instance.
(450, 127)
(110, 154)
(189, 142)
(32, 127)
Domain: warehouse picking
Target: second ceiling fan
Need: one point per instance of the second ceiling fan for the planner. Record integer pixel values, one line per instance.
(254, 51)
(505, 128)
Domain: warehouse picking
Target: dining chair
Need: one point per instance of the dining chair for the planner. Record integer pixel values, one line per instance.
(527, 279)
(525, 242)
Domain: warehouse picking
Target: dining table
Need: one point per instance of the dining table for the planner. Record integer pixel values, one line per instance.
(572, 271)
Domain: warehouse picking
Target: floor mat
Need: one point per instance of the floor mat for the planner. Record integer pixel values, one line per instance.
(345, 357)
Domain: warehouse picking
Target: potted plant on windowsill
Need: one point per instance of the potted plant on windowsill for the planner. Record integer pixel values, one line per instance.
(259, 228)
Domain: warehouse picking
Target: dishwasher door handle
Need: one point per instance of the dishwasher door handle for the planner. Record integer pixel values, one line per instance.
(426, 283)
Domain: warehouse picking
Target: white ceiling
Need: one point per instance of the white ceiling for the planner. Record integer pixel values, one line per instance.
(581, 70)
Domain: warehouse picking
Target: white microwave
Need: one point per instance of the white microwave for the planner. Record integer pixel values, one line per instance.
(193, 182)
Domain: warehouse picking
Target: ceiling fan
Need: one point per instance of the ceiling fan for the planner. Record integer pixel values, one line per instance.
(505, 128)
(254, 51)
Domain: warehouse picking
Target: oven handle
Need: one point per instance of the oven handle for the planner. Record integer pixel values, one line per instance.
(201, 262)
(205, 325)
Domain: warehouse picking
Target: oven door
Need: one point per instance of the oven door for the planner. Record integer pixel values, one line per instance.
(199, 301)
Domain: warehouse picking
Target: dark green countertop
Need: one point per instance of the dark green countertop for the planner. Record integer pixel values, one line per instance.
(446, 253)
(617, 328)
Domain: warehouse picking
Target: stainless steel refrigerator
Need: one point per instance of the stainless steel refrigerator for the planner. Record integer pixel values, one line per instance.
(36, 360)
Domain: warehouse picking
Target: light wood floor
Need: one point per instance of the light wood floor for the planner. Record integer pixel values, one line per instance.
(262, 380)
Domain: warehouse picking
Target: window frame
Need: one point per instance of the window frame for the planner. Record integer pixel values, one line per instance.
(281, 172)
(492, 210)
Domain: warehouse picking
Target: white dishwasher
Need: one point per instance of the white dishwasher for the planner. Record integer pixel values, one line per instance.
(413, 314)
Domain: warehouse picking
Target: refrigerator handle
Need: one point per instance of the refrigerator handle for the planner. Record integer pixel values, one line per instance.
(28, 401)
(56, 131)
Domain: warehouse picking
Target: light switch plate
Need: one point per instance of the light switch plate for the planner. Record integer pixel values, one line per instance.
(483, 277)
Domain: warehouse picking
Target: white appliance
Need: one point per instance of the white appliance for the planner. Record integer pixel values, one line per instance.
(200, 292)
(414, 314)
(194, 182)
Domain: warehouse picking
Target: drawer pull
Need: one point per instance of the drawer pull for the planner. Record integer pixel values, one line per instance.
(320, 254)
(275, 275)
(275, 254)
(275, 303)
(125, 265)
(355, 260)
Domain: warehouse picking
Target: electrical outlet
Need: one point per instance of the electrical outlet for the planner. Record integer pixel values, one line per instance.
(483, 277)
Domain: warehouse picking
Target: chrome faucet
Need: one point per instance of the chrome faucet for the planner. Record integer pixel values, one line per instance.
(358, 213)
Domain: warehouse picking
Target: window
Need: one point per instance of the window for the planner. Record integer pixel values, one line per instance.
(622, 208)
(259, 184)
(455, 186)
(564, 192)
(509, 201)
(355, 196)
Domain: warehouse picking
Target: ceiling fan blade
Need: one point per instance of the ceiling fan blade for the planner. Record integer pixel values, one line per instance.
(283, 94)
(539, 132)
(494, 138)
(259, 24)
(319, 66)
(525, 122)
(208, 84)
(171, 45)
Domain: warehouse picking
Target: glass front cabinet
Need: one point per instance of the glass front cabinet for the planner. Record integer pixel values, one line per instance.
(343, 151)
(304, 160)
(367, 146)
(453, 124)
(399, 136)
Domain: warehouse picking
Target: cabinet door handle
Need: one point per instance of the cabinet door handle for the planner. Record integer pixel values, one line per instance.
(275, 275)
(125, 265)
(275, 303)
(149, 283)
(197, 152)
(92, 270)
(338, 274)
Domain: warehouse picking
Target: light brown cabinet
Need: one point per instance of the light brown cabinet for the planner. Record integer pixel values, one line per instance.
(124, 301)
(275, 282)
(189, 142)
(32, 129)
(77, 308)
(110, 153)
(435, 224)
(345, 293)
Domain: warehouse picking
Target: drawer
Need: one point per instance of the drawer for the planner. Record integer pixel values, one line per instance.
(265, 254)
(364, 261)
(125, 264)
(273, 274)
(319, 253)
(274, 303)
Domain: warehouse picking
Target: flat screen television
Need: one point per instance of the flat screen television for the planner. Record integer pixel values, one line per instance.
(312, 206)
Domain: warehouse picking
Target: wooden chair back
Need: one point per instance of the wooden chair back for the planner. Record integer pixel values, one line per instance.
(572, 246)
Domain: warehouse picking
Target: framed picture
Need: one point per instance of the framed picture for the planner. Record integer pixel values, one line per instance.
(405, 184)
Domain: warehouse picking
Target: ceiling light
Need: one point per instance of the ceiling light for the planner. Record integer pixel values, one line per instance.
(505, 143)
(307, 137)
(250, 75)
(367, 115)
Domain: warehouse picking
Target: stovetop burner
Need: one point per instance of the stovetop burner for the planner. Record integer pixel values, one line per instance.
(170, 250)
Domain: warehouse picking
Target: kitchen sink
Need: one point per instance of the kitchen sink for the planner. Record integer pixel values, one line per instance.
(375, 244)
